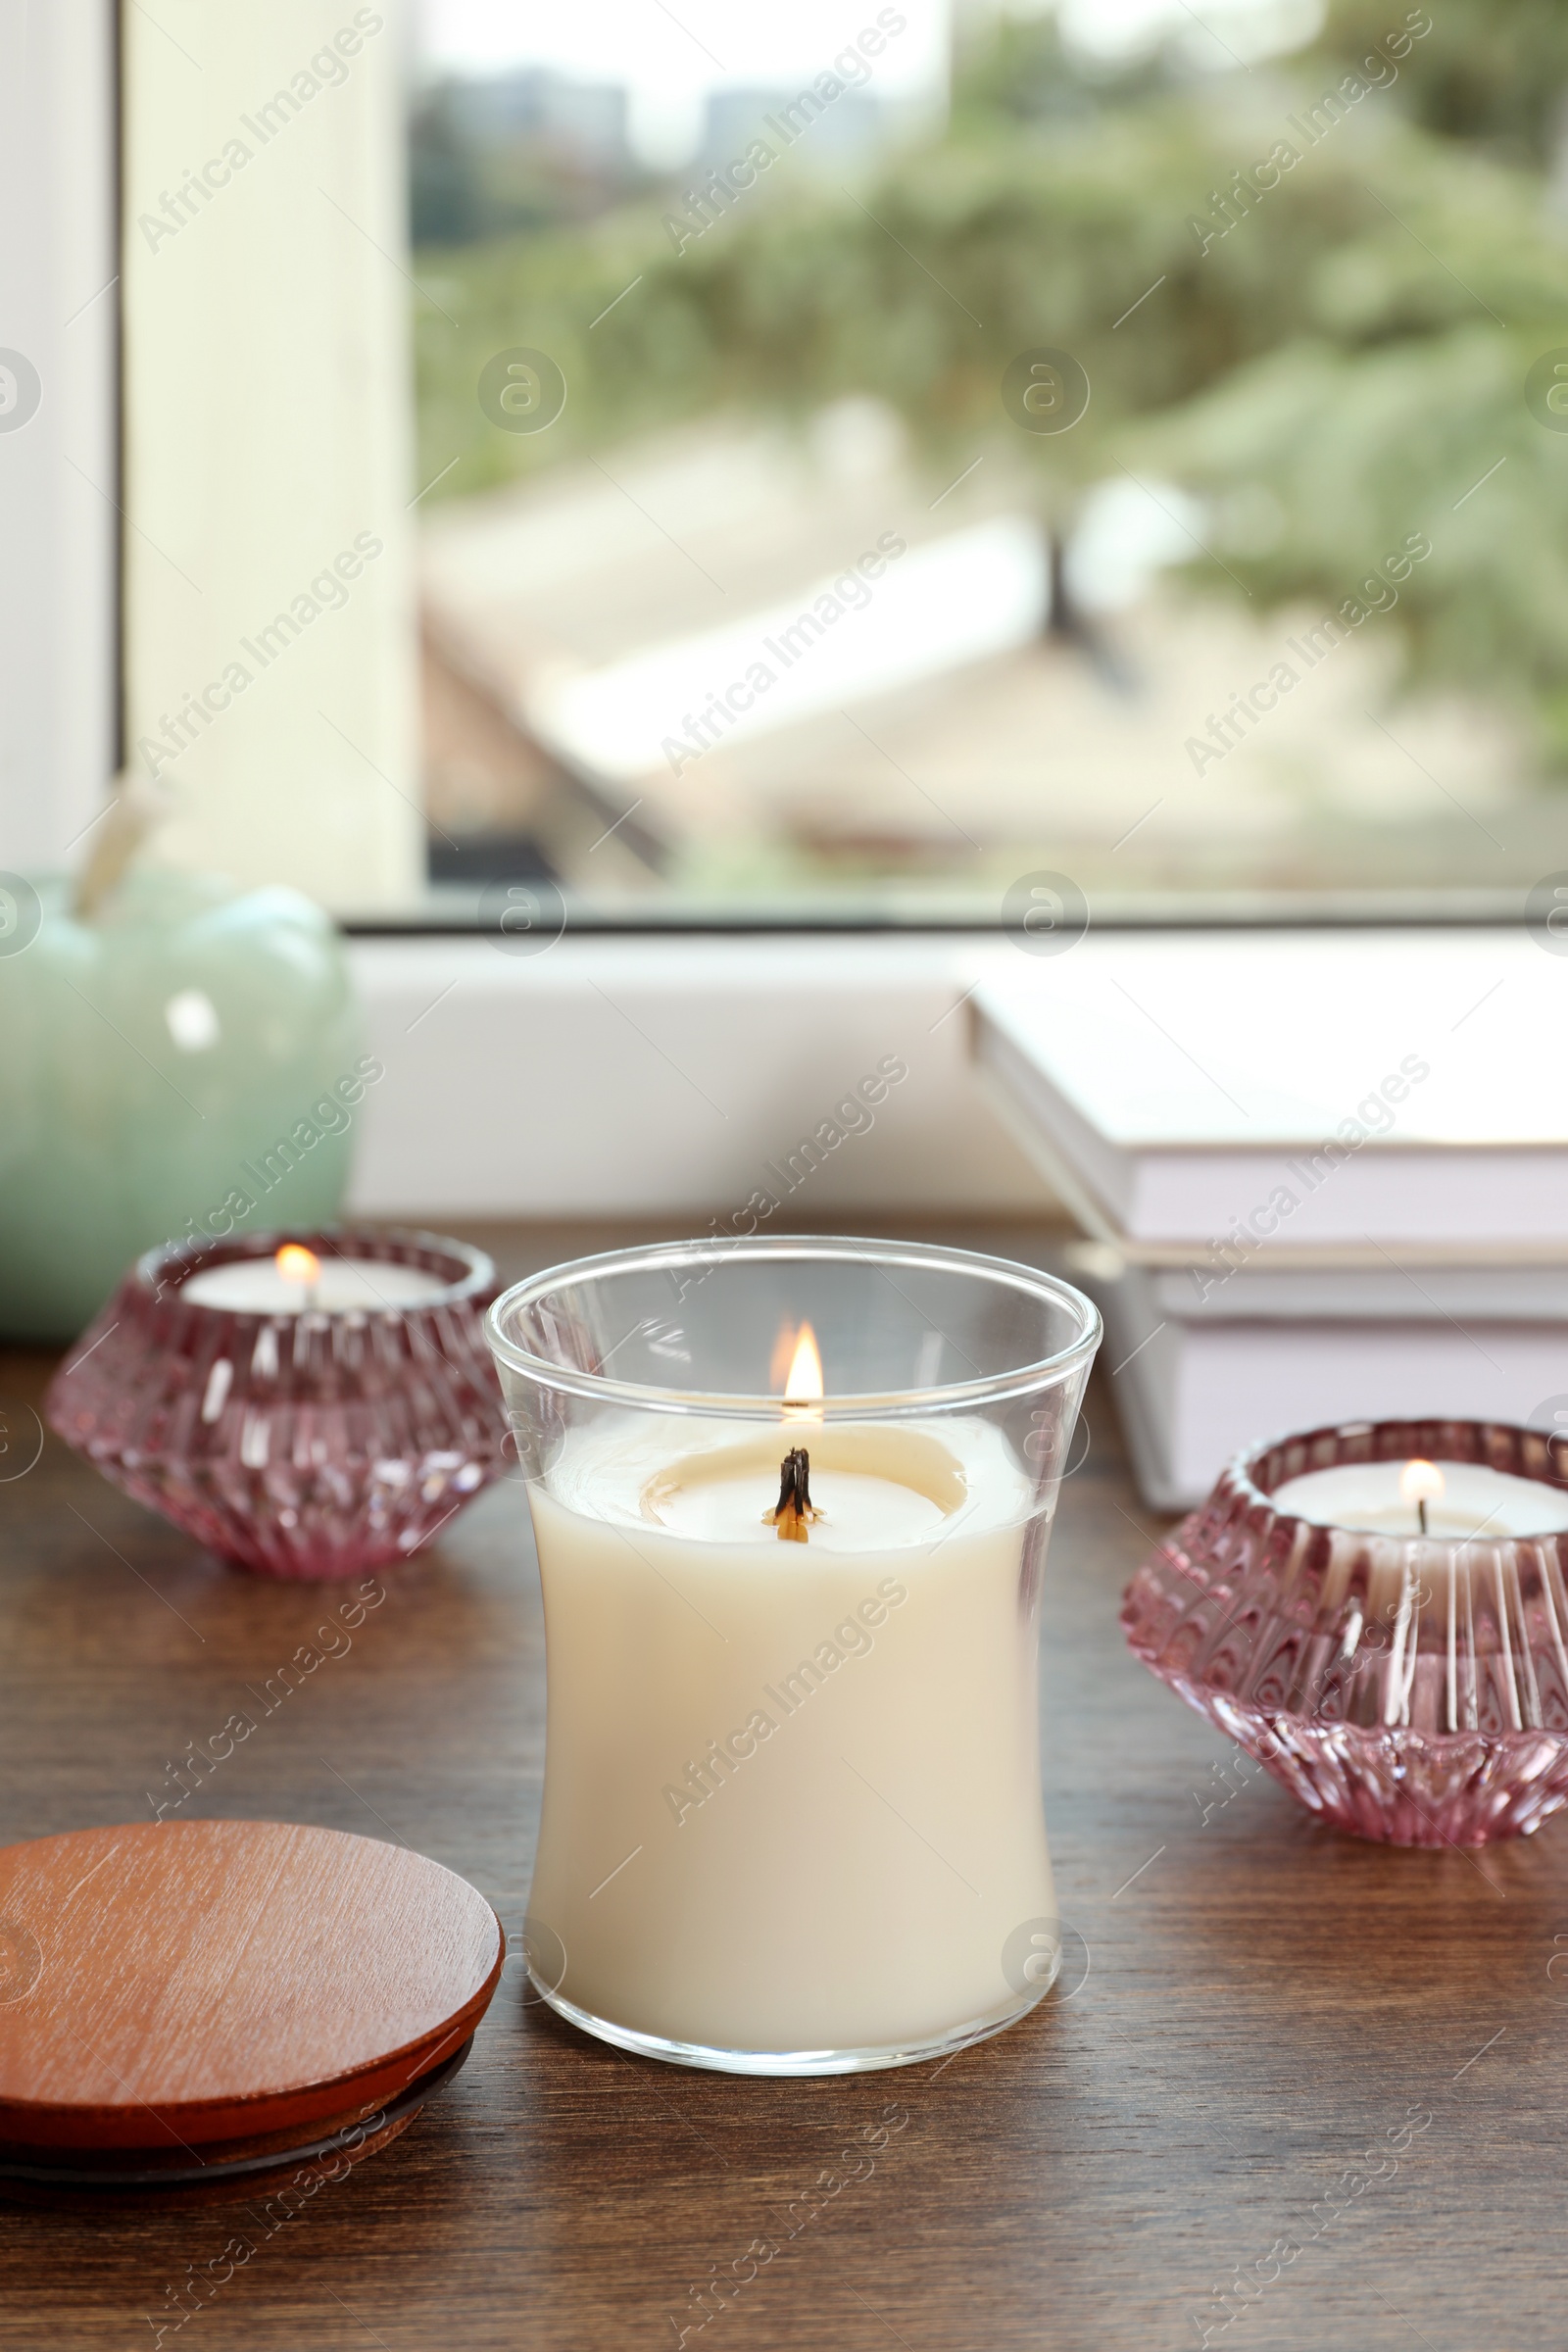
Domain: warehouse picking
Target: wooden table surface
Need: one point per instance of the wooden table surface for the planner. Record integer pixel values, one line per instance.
(1326, 2074)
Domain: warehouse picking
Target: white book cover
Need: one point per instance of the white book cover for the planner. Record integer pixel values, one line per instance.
(1192, 1393)
(1216, 1098)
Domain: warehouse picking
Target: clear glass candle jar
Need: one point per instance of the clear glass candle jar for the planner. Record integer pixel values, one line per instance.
(792, 1818)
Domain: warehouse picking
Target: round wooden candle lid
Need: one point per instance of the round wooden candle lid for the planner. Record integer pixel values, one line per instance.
(167, 1985)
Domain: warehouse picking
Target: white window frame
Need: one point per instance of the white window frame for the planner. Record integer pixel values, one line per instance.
(59, 471)
(271, 649)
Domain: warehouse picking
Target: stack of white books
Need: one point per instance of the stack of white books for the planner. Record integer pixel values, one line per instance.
(1324, 1174)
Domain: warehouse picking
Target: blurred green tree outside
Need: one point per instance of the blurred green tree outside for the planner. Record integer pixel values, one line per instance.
(1312, 291)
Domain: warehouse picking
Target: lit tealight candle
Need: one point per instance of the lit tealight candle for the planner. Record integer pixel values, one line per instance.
(297, 1282)
(1447, 1502)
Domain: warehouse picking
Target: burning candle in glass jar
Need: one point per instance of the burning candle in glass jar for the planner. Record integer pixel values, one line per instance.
(792, 1798)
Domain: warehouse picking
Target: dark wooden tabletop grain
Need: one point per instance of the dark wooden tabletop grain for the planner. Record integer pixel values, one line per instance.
(1293, 2091)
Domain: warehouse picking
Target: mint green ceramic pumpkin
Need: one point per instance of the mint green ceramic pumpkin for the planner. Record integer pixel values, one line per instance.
(190, 1062)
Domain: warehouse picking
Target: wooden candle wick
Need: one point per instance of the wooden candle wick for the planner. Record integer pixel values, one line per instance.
(793, 1510)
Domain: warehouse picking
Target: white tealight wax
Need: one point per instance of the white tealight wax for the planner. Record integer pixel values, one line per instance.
(253, 1286)
(1475, 1502)
(791, 1798)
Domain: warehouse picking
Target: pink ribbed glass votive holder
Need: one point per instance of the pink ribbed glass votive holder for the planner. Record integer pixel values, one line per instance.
(303, 1444)
(1405, 1687)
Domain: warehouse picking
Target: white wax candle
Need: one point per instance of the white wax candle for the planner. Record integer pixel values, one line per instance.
(793, 1794)
(1476, 1502)
(900, 1489)
(346, 1284)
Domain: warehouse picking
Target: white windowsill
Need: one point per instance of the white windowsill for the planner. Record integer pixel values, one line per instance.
(610, 1077)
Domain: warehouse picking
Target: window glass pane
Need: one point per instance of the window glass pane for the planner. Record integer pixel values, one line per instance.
(869, 455)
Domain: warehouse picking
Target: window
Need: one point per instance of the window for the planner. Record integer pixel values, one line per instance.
(836, 463)
(870, 457)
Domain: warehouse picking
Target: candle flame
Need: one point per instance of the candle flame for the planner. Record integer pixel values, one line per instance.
(296, 1263)
(1421, 1482)
(778, 1363)
(802, 1383)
